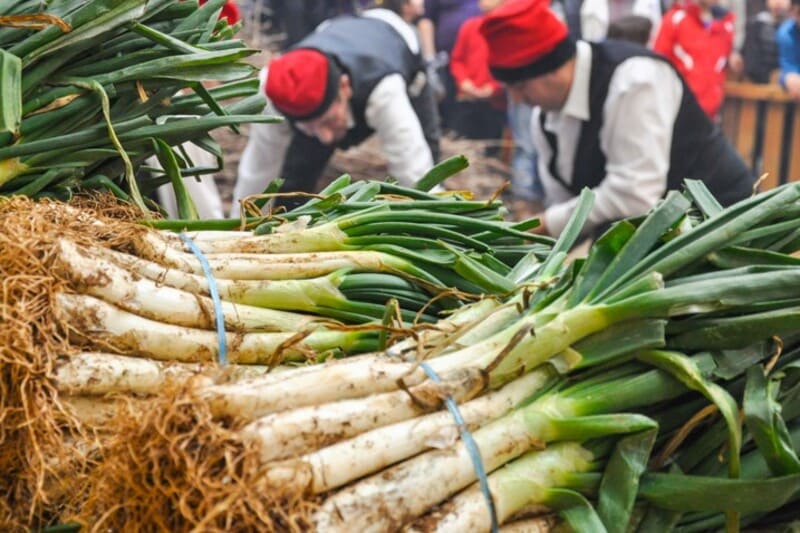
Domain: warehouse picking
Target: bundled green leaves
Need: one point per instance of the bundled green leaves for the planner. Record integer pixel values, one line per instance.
(92, 88)
(444, 241)
(671, 318)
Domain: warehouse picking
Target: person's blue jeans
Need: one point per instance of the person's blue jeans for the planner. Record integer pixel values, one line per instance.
(525, 182)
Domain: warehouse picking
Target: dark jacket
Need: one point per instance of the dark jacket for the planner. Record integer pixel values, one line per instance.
(760, 51)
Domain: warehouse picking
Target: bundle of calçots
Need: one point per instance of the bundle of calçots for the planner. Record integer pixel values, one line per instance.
(91, 89)
(143, 304)
(607, 389)
(365, 259)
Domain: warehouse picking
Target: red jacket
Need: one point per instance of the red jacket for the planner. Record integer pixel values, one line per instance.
(698, 50)
(469, 59)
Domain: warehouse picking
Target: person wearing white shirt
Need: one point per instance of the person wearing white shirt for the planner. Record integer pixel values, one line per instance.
(355, 76)
(611, 116)
(597, 15)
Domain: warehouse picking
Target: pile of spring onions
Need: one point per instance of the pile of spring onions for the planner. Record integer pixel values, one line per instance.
(338, 276)
(650, 386)
(91, 89)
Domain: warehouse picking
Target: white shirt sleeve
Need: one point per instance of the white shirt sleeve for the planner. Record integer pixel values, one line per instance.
(594, 20)
(639, 114)
(263, 156)
(390, 114)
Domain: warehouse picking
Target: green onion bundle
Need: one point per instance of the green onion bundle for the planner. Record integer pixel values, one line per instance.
(607, 390)
(147, 321)
(581, 355)
(293, 294)
(92, 89)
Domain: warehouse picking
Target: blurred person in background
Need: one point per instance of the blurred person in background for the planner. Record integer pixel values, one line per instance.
(298, 18)
(697, 37)
(527, 194)
(632, 28)
(526, 187)
(409, 10)
(611, 116)
(480, 110)
(788, 38)
(740, 10)
(438, 27)
(760, 56)
(760, 50)
(590, 19)
(354, 76)
(597, 15)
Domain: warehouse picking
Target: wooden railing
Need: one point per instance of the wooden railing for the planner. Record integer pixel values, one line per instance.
(763, 123)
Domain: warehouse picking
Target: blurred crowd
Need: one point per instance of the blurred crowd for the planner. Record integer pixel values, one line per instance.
(708, 41)
(408, 70)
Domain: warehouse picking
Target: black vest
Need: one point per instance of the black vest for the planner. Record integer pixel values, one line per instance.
(699, 149)
(368, 50)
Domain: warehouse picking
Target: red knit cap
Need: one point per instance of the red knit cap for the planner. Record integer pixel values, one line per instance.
(526, 39)
(302, 83)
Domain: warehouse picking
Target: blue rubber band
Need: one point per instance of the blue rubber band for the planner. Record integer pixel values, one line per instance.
(471, 445)
(222, 353)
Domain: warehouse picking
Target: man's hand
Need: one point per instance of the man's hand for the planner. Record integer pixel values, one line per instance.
(484, 92)
(792, 82)
(736, 63)
(469, 91)
(466, 90)
(432, 66)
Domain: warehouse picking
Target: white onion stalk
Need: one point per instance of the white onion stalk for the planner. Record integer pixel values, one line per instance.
(397, 495)
(474, 324)
(97, 373)
(294, 370)
(112, 283)
(316, 295)
(369, 376)
(266, 266)
(102, 322)
(99, 410)
(514, 487)
(296, 294)
(334, 380)
(170, 276)
(325, 237)
(341, 463)
(341, 379)
(301, 293)
(175, 241)
(212, 235)
(391, 498)
(297, 431)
